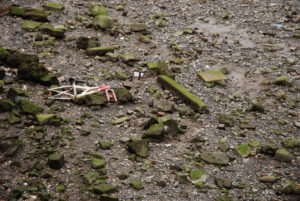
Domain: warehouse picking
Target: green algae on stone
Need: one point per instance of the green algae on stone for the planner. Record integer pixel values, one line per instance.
(30, 107)
(212, 76)
(14, 92)
(102, 22)
(42, 118)
(31, 25)
(105, 188)
(56, 160)
(176, 88)
(17, 11)
(283, 155)
(98, 163)
(84, 42)
(155, 131)
(243, 149)
(137, 185)
(123, 95)
(100, 51)
(90, 177)
(138, 27)
(196, 174)
(98, 10)
(54, 6)
(139, 147)
(291, 142)
(119, 120)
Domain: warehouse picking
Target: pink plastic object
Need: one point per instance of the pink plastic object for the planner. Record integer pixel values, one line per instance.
(110, 93)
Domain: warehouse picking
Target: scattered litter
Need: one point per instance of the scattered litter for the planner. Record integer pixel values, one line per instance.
(73, 92)
(138, 74)
(279, 26)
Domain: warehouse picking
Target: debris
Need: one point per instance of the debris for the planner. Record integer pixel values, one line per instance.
(278, 26)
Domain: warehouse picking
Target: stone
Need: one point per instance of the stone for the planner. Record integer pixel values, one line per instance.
(223, 182)
(30, 25)
(35, 14)
(100, 51)
(49, 80)
(165, 106)
(105, 145)
(32, 72)
(137, 185)
(90, 177)
(179, 90)
(6, 105)
(155, 131)
(283, 81)
(97, 10)
(98, 163)
(60, 188)
(16, 59)
(54, 6)
(84, 42)
(283, 155)
(17, 11)
(291, 142)
(123, 95)
(257, 107)
(161, 23)
(105, 197)
(268, 179)
(138, 147)
(254, 143)
(112, 56)
(14, 117)
(129, 58)
(105, 188)
(218, 158)
(95, 99)
(14, 92)
(43, 118)
(163, 69)
(102, 22)
(243, 150)
(182, 178)
(196, 174)
(212, 76)
(138, 27)
(30, 107)
(56, 160)
(121, 75)
(119, 120)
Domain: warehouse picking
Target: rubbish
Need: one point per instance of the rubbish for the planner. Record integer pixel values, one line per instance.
(73, 92)
(138, 74)
(279, 26)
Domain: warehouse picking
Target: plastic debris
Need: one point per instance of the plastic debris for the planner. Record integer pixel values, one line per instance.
(279, 26)
(73, 92)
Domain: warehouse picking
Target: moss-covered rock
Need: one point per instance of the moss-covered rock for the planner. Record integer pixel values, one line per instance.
(84, 42)
(6, 105)
(14, 117)
(291, 142)
(102, 22)
(121, 75)
(30, 107)
(30, 25)
(17, 11)
(32, 72)
(226, 119)
(95, 99)
(49, 80)
(196, 174)
(105, 188)
(155, 131)
(14, 92)
(97, 10)
(283, 81)
(35, 14)
(138, 27)
(138, 147)
(129, 58)
(105, 145)
(56, 160)
(218, 158)
(98, 163)
(54, 6)
(16, 59)
(179, 90)
(123, 95)
(43, 118)
(2, 86)
(100, 51)
(137, 185)
(243, 149)
(283, 155)
(3, 56)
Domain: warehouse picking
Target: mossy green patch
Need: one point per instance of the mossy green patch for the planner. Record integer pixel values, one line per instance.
(43, 118)
(54, 6)
(176, 88)
(30, 107)
(98, 163)
(17, 11)
(98, 10)
(212, 76)
(243, 150)
(196, 174)
(137, 185)
(31, 25)
(100, 51)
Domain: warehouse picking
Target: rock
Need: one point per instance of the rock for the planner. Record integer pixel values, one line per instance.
(105, 188)
(102, 22)
(121, 75)
(137, 185)
(30, 25)
(54, 6)
(283, 155)
(138, 27)
(2, 70)
(49, 80)
(155, 131)
(29, 107)
(139, 147)
(112, 56)
(129, 58)
(6, 105)
(243, 149)
(283, 81)
(35, 14)
(223, 182)
(16, 59)
(100, 51)
(291, 142)
(90, 177)
(179, 90)
(17, 11)
(163, 69)
(33, 72)
(269, 149)
(56, 160)
(123, 95)
(84, 42)
(60, 188)
(160, 23)
(254, 143)
(14, 92)
(196, 174)
(108, 198)
(119, 120)
(98, 163)
(268, 179)
(212, 76)
(182, 178)
(257, 107)
(43, 118)
(217, 158)
(14, 117)
(97, 10)
(105, 145)
(165, 106)
(95, 99)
